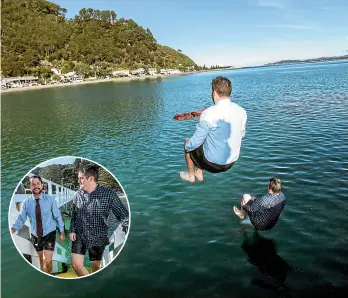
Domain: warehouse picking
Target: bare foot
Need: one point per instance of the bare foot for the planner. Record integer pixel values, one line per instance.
(186, 177)
(238, 212)
(199, 174)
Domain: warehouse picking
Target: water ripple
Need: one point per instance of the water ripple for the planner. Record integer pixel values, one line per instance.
(184, 239)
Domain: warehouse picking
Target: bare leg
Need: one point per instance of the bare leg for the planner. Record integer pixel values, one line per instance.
(241, 213)
(77, 264)
(41, 260)
(190, 165)
(199, 174)
(95, 266)
(190, 175)
(47, 261)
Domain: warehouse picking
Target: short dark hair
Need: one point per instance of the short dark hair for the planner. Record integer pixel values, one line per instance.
(275, 185)
(90, 170)
(222, 86)
(37, 177)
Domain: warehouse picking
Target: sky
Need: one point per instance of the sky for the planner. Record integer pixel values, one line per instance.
(237, 32)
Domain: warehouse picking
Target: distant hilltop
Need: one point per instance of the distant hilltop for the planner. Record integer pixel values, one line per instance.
(36, 37)
(321, 59)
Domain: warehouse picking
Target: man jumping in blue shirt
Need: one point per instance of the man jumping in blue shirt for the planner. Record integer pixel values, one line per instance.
(215, 145)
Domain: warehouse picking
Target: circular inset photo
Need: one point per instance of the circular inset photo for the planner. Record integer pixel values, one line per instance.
(69, 217)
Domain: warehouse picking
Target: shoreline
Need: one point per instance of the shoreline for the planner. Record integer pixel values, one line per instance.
(117, 80)
(141, 78)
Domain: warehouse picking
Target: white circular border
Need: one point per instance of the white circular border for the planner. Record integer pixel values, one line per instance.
(126, 236)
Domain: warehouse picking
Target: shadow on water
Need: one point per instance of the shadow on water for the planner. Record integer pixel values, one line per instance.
(262, 253)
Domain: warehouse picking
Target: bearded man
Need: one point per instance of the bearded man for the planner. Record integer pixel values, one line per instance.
(44, 218)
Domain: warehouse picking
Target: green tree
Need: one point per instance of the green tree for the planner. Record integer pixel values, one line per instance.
(56, 77)
(106, 179)
(53, 173)
(37, 30)
(82, 68)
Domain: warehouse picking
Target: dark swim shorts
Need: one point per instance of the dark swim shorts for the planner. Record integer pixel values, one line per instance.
(95, 252)
(200, 161)
(46, 242)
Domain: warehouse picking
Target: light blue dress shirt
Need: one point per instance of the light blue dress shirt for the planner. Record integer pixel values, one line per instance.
(220, 129)
(50, 213)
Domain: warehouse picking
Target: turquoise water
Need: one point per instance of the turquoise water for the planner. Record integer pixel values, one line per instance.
(184, 239)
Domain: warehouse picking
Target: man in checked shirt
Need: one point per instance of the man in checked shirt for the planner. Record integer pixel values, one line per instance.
(263, 211)
(88, 228)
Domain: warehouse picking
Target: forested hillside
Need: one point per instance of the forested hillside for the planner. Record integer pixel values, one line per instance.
(67, 175)
(36, 35)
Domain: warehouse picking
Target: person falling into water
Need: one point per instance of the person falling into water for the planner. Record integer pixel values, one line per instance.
(44, 218)
(215, 145)
(264, 211)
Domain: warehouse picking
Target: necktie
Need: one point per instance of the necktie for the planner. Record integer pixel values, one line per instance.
(39, 230)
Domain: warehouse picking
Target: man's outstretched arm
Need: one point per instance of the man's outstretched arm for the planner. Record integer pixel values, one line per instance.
(188, 115)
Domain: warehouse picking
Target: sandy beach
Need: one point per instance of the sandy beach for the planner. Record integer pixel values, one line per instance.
(126, 79)
(119, 80)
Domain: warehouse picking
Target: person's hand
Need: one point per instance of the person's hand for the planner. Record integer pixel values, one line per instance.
(72, 236)
(62, 237)
(13, 230)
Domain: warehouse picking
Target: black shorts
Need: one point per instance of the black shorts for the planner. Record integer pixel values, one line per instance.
(46, 242)
(95, 252)
(200, 161)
